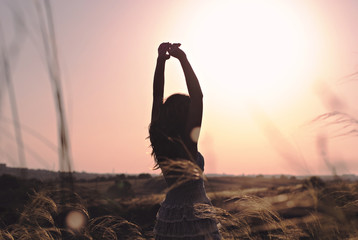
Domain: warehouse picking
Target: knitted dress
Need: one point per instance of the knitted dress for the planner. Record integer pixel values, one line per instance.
(176, 218)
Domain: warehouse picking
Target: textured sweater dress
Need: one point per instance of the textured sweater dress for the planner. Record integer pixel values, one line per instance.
(176, 217)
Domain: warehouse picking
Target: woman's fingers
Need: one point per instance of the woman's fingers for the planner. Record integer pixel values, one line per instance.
(162, 50)
(172, 49)
(164, 47)
(176, 52)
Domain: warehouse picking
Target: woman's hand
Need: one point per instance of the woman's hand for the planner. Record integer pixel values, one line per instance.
(162, 51)
(176, 52)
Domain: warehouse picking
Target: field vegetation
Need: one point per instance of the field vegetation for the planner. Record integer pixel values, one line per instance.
(124, 207)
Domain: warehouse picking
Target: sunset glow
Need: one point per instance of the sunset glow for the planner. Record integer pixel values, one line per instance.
(266, 68)
(267, 52)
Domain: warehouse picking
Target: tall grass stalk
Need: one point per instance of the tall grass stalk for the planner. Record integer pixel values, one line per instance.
(182, 171)
(49, 41)
(13, 104)
(33, 133)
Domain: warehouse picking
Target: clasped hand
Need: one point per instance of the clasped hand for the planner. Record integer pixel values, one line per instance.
(167, 49)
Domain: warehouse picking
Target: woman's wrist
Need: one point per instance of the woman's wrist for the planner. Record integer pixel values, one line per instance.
(161, 59)
(183, 59)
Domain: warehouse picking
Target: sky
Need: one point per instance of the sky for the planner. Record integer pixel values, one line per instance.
(268, 69)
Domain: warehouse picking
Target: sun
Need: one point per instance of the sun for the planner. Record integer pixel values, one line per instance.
(257, 50)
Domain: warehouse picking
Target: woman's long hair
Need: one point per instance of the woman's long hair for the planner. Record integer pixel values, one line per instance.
(166, 132)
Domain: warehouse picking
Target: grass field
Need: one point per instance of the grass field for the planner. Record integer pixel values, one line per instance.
(125, 208)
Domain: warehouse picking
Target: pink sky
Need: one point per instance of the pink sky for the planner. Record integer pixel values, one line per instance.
(242, 51)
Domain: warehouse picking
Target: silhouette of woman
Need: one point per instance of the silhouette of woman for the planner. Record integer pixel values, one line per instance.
(174, 133)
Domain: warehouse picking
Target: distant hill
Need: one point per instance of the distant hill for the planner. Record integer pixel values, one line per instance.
(45, 175)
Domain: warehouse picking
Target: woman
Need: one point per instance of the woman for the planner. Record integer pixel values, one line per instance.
(174, 133)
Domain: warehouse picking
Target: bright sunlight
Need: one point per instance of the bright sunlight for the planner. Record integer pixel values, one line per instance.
(267, 58)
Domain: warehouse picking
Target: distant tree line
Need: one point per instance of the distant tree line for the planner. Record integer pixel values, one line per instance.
(115, 177)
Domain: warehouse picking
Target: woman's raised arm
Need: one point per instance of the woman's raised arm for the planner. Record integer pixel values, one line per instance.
(158, 83)
(196, 96)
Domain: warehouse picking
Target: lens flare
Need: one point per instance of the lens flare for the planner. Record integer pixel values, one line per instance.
(194, 135)
(75, 220)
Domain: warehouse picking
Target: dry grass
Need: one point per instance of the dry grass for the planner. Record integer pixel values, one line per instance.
(303, 210)
(181, 171)
(110, 227)
(45, 218)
